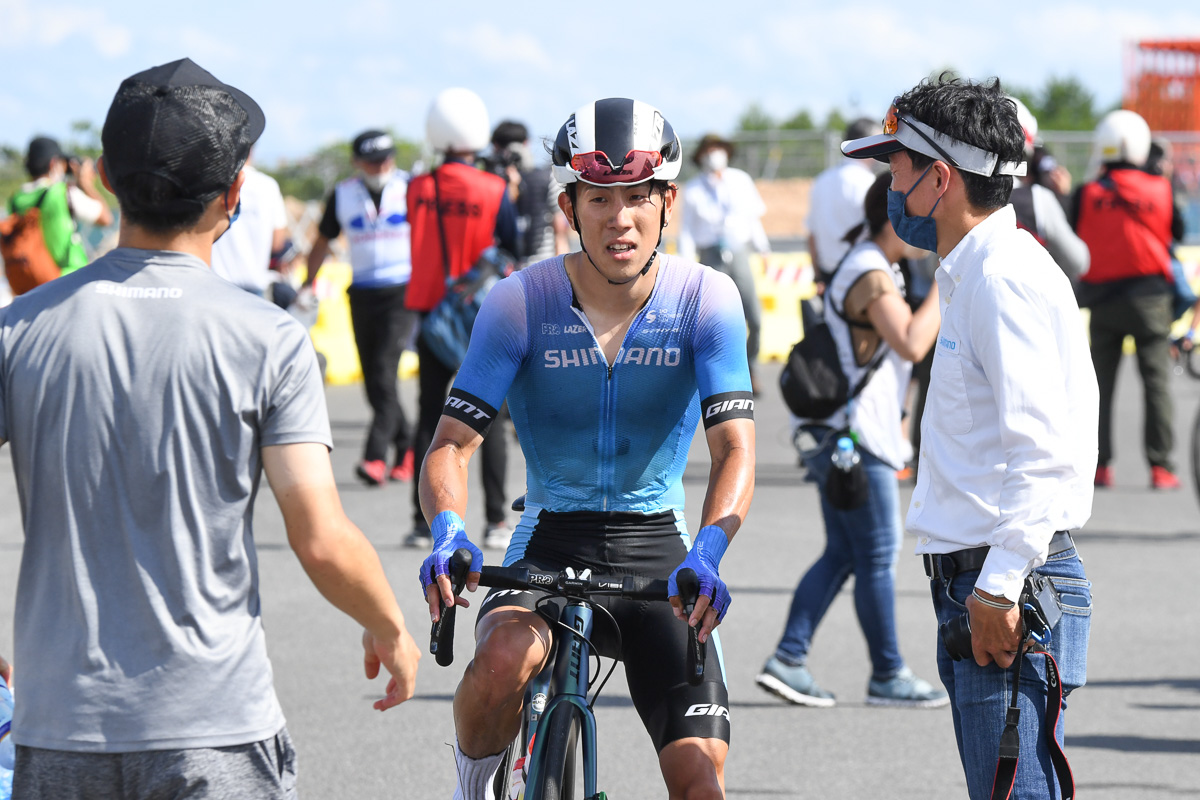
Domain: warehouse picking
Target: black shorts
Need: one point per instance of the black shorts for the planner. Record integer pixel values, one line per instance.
(652, 642)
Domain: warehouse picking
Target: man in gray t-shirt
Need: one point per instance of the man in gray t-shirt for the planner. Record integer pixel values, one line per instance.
(143, 397)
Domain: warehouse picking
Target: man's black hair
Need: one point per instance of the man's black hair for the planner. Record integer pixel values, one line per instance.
(156, 204)
(509, 132)
(979, 114)
(862, 128)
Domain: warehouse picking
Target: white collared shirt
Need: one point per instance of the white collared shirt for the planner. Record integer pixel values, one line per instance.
(1009, 434)
(722, 210)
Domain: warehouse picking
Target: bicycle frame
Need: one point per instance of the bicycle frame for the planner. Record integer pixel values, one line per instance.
(568, 685)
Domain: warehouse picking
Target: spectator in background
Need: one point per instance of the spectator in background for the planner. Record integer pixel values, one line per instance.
(457, 212)
(870, 318)
(371, 208)
(835, 204)
(722, 224)
(1039, 209)
(1128, 219)
(531, 188)
(244, 255)
(65, 188)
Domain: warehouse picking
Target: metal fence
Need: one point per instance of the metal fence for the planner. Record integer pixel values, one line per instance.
(771, 155)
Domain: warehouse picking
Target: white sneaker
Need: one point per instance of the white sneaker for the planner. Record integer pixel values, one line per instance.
(497, 535)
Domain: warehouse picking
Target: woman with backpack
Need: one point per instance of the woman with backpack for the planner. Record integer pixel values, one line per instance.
(878, 337)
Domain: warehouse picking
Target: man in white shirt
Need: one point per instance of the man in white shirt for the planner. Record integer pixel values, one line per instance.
(243, 255)
(835, 204)
(722, 223)
(1009, 435)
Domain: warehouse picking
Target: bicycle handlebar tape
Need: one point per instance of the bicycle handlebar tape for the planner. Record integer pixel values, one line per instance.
(689, 593)
(441, 638)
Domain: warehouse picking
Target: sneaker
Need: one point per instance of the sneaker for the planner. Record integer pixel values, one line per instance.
(497, 535)
(403, 472)
(1163, 478)
(905, 689)
(1104, 476)
(794, 684)
(419, 536)
(372, 473)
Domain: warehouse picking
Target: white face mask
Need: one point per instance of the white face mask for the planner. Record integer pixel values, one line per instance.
(714, 160)
(376, 182)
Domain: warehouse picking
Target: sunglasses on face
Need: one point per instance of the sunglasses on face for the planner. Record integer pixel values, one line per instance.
(597, 167)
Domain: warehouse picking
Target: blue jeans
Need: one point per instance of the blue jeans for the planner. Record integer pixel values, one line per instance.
(864, 541)
(980, 695)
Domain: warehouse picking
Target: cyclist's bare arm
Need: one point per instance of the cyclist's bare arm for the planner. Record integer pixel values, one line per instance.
(730, 489)
(340, 561)
(444, 488)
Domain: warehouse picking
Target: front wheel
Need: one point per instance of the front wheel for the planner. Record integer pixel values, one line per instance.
(1196, 455)
(558, 769)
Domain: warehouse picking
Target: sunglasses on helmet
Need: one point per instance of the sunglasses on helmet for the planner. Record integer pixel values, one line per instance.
(597, 167)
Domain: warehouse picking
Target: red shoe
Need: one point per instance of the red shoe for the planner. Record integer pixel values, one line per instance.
(1162, 478)
(403, 471)
(372, 473)
(1104, 477)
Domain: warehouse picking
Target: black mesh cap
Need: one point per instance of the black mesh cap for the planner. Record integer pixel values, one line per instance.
(179, 123)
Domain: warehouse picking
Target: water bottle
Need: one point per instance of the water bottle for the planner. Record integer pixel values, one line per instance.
(8, 752)
(845, 457)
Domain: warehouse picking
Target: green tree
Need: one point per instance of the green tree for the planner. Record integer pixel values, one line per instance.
(313, 177)
(1065, 104)
(835, 121)
(755, 118)
(800, 121)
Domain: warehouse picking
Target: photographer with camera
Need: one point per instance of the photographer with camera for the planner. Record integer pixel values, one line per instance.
(1008, 445)
(63, 189)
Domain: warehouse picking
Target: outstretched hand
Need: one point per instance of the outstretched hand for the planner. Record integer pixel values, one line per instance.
(400, 658)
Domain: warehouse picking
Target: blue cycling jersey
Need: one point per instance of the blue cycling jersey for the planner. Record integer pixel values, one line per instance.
(598, 437)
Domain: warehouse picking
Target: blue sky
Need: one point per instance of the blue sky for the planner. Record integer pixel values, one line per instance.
(325, 70)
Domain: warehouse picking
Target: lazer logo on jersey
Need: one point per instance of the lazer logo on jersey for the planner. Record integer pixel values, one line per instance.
(554, 329)
(644, 356)
(707, 710)
(468, 408)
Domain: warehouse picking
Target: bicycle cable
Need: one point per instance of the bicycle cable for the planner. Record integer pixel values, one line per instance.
(593, 651)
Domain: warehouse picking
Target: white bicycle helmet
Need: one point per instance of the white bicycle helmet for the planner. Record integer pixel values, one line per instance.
(1029, 124)
(616, 141)
(457, 122)
(1123, 136)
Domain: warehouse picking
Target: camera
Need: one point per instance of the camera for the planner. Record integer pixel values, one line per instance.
(1041, 609)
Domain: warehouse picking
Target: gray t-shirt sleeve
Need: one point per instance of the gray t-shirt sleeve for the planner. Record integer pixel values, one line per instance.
(3, 381)
(295, 409)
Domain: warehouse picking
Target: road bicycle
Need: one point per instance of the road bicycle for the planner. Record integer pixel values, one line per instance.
(557, 720)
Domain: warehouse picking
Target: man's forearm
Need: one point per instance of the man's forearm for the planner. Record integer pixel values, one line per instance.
(346, 570)
(444, 480)
(730, 481)
(316, 257)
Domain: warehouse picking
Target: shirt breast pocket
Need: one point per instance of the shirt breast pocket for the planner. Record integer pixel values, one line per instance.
(951, 412)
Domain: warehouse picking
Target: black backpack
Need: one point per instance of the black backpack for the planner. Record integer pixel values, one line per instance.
(812, 382)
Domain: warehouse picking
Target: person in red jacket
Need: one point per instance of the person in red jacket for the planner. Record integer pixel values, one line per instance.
(468, 209)
(1127, 217)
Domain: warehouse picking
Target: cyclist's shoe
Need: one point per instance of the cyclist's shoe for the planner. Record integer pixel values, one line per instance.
(497, 535)
(419, 536)
(1104, 476)
(906, 690)
(372, 473)
(1163, 478)
(794, 684)
(403, 472)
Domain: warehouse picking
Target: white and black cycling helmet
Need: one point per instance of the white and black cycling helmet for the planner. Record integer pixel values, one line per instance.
(616, 141)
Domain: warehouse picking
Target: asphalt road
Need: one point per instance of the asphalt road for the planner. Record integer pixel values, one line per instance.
(1132, 732)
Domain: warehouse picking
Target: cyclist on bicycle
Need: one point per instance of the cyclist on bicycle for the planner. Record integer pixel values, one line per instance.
(608, 358)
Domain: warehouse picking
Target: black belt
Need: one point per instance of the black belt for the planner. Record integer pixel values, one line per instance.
(946, 565)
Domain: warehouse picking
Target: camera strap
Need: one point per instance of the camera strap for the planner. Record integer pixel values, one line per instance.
(1010, 738)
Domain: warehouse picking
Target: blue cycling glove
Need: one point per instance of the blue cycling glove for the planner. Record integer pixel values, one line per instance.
(703, 558)
(449, 534)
